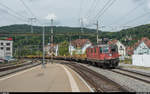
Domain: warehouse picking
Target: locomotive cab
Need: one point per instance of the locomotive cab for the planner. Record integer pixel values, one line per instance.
(114, 48)
(104, 55)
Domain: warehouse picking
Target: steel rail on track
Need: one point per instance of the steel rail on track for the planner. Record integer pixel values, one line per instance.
(9, 70)
(135, 72)
(96, 80)
(13, 66)
(130, 75)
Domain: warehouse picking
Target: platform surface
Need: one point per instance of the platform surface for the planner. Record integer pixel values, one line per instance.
(53, 78)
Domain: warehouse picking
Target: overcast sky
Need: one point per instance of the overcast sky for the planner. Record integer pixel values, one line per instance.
(121, 14)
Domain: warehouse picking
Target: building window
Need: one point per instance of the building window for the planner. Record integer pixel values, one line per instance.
(120, 47)
(8, 48)
(2, 43)
(7, 44)
(1, 48)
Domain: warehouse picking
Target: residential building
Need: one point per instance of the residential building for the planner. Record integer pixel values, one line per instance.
(79, 46)
(142, 47)
(141, 53)
(6, 48)
(129, 51)
(51, 49)
(121, 48)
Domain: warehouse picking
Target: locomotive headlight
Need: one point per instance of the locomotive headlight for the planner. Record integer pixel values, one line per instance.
(110, 54)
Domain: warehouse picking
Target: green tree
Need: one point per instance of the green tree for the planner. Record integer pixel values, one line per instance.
(64, 48)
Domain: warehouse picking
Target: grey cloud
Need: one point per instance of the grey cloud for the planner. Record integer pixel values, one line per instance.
(67, 11)
(3, 11)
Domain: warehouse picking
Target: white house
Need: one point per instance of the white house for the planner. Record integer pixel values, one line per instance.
(141, 53)
(6, 49)
(121, 48)
(79, 46)
(143, 47)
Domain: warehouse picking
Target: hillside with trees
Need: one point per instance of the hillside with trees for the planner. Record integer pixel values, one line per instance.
(23, 37)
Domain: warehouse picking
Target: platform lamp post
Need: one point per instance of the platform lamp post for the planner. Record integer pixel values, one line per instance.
(52, 41)
(4, 51)
(43, 60)
(51, 17)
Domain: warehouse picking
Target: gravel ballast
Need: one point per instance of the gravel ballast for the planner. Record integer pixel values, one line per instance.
(135, 68)
(132, 84)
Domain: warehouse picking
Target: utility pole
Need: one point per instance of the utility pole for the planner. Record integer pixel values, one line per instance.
(18, 52)
(43, 61)
(70, 44)
(52, 45)
(82, 25)
(32, 20)
(51, 30)
(97, 30)
(4, 51)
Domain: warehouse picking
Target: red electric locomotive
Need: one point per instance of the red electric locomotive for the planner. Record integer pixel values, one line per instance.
(103, 55)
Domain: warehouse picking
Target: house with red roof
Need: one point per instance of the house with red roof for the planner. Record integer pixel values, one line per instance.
(79, 46)
(141, 53)
(142, 47)
(129, 51)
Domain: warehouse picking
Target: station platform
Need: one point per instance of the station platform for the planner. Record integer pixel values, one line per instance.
(53, 78)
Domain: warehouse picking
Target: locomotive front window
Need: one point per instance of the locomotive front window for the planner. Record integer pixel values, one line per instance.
(91, 50)
(95, 50)
(105, 50)
(114, 49)
(101, 50)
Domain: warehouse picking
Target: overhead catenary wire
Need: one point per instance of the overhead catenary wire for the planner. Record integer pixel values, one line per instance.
(93, 5)
(107, 5)
(43, 61)
(106, 9)
(15, 14)
(129, 13)
(27, 8)
(103, 8)
(100, 11)
(137, 18)
(92, 10)
(80, 8)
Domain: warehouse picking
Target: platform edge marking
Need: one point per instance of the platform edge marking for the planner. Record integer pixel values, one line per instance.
(83, 81)
(73, 83)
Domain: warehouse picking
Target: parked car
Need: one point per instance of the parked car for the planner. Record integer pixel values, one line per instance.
(9, 59)
(2, 60)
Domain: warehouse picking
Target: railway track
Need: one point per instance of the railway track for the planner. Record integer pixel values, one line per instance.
(133, 74)
(16, 68)
(10, 64)
(5, 65)
(97, 81)
(13, 66)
